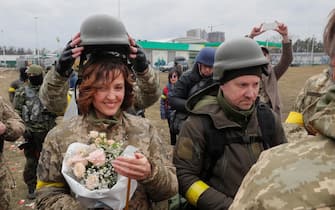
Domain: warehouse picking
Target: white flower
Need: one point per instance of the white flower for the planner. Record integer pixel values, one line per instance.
(93, 134)
(79, 170)
(97, 157)
(92, 181)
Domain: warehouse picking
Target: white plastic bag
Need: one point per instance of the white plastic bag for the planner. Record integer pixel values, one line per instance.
(114, 198)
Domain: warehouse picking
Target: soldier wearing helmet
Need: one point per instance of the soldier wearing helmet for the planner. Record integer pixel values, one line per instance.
(300, 174)
(193, 80)
(227, 128)
(104, 34)
(38, 121)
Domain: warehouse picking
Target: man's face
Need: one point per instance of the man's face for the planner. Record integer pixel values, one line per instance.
(205, 71)
(242, 91)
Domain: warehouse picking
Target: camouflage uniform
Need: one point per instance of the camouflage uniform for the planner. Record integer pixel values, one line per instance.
(136, 131)
(14, 129)
(309, 95)
(38, 121)
(53, 93)
(297, 175)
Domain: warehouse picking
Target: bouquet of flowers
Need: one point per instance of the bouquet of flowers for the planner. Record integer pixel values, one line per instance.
(89, 172)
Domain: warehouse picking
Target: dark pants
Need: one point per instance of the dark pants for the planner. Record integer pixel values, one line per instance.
(173, 135)
(32, 154)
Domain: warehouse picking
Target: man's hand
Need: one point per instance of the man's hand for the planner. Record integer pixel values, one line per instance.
(68, 56)
(257, 30)
(283, 31)
(137, 56)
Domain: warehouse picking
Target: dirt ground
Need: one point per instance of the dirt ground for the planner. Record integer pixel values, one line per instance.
(289, 86)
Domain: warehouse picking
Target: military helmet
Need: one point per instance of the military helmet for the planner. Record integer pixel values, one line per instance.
(206, 56)
(237, 54)
(98, 30)
(34, 70)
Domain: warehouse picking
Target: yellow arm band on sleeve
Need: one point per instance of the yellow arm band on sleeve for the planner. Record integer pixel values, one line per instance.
(41, 184)
(295, 118)
(163, 96)
(196, 189)
(11, 90)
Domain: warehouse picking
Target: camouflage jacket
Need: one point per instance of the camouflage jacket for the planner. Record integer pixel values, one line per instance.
(14, 129)
(133, 130)
(13, 122)
(309, 95)
(35, 116)
(53, 92)
(297, 175)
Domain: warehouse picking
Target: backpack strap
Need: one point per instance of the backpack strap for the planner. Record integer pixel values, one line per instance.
(266, 122)
(215, 148)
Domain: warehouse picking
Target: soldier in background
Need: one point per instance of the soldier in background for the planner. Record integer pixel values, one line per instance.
(38, 121)
(17, 83)
(11, 128)
(315, 87)
(298, 175)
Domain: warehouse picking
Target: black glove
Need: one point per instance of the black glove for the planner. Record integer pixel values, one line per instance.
(65, 61)
(27, 135)
(140, 62)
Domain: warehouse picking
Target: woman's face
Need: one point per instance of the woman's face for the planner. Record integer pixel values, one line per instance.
(108, 99)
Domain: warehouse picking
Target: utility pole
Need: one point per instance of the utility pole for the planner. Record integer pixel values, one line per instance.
(36, 33)
(312, 50)
(3, 48)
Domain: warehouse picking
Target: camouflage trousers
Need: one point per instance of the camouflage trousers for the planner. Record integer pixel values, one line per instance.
(32, 154)
(6, 185)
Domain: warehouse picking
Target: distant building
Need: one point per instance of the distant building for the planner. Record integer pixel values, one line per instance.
(197, 33)
(216, 36)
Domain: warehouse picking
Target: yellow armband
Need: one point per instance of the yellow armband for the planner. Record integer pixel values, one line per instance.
(11, 90)
(196, 189)
(163, 97)
(295, 118)
(41, 184)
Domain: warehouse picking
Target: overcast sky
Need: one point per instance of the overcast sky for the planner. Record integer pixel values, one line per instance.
(38, 23)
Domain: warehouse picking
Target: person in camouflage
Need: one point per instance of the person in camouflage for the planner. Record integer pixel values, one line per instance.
(105, 94)
(11, 128)
(310, 94)
(53, 92)
(17, 83)
(298, 175)
(38, 121)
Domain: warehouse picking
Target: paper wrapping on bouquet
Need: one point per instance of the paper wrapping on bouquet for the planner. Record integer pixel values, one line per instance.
(114, 197)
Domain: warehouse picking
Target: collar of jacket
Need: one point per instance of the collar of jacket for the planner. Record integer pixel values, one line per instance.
(106, 122)
(240, 116)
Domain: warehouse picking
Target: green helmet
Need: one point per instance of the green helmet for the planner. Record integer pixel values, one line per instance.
(34, 70)
(237, 54)
(103, 30)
